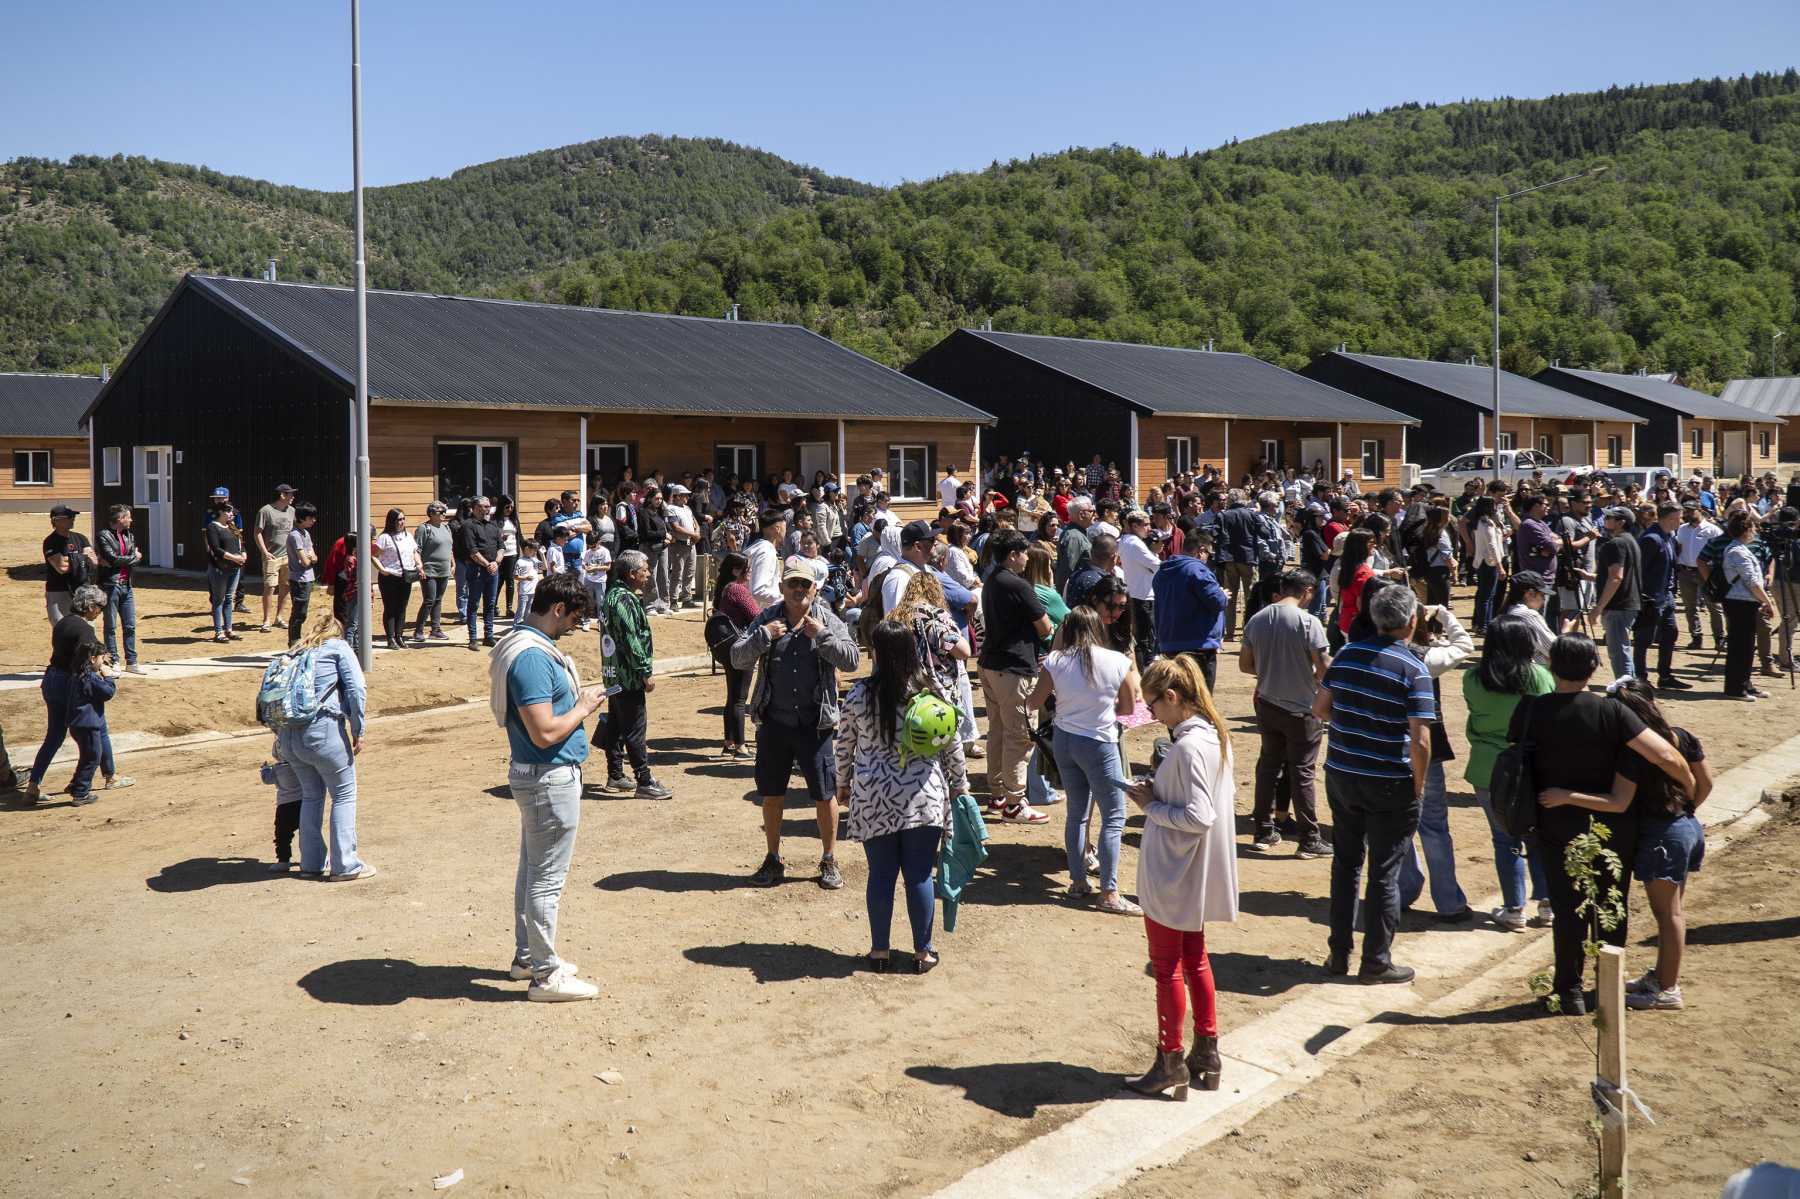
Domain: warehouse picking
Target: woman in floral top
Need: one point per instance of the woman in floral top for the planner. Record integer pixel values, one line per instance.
(941, 646)
(898, 812)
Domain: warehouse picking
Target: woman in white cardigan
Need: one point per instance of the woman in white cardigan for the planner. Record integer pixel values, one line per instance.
(1187, 871)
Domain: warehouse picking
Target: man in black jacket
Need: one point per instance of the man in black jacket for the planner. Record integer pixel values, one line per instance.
(118, 553)
(1235, 557)
(479, 539)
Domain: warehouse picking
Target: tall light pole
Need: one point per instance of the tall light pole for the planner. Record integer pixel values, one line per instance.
(1497, 202)
(359, 513)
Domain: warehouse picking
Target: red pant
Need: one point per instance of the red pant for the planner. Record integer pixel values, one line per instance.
(1176, 955)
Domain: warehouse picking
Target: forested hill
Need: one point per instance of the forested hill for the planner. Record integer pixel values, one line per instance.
(1374, 231)
(90, 248)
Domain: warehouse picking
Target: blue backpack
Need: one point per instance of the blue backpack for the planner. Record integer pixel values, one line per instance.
(289, 696)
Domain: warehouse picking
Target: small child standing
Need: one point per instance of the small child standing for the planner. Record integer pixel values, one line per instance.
(91, 688)
(526, 572)
(596, 564)
(287, 805)
(555, 557)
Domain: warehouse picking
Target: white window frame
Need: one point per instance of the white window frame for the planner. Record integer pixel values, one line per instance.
(1362, 463)
(1181, 449)
(1615, 450)
(1543, 446)
(737, 448)
(481, 448)
(594, 448)
(898, 450)
(1271, 453)
(1508, 441)
(30, 455)
(110, 457)
(804, 476)
(1764, 442)
(1698, 445)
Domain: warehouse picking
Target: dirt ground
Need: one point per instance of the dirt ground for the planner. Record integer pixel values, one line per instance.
(359, 1039)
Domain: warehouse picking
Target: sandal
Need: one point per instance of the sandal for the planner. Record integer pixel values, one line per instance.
(1023, 813)
(924, 963)
(119, 782)
(1118, 905)
(879, 965)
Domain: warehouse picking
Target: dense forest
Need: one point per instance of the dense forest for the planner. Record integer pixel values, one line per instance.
(90, 248)
(1374, 231)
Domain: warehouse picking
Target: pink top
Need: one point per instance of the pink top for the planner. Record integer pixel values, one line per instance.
(739, 604)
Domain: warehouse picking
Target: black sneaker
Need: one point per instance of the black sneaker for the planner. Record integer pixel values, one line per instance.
(1266, 840)
(1569, 1003)
(618, 784)
(830, 878)
(771, 873)
(1462, 917)
(1694, 642)
(1313, 847)
(1671, 683)
(1393, 974)
(488, 641)
(1337, 965)
(651, 789)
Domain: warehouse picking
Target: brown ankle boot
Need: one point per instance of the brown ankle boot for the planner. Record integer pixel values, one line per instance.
(1203, 1063)
(1169, 1071)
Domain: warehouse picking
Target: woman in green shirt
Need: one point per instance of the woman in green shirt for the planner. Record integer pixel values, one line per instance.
(1040, 574)
(1493, 690)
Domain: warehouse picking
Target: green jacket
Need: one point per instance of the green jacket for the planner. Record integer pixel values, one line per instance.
(963, 852)
(622, 614)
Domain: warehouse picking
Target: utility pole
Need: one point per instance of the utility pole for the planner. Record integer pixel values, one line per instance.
(359, 509)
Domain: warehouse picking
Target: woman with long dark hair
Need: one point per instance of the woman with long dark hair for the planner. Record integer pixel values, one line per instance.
(1743, 602)
(397, 564)
(1489, 542)
(899, 766)
(1437, 553)
(1315, 555)
(1110, 600)
(731, 595)
(1508, 672)
(506, 515)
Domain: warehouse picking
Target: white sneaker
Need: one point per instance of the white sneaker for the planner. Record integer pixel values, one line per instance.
(1546, 915)
(361, 872)
(134, 668)
(1655, 1001)
(561, 987)
(1513, 918)
(521, 971)
(1645, 984)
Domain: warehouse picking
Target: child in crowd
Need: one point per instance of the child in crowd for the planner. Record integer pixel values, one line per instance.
(526, 572)
(287, 805)
(556, 554)
(1671, 845)
(596, 564)
(92, 687)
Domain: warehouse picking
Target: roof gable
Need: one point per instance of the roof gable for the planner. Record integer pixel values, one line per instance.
(34, 405)
(1474, 385)
(1776, 396)
(1661, 391)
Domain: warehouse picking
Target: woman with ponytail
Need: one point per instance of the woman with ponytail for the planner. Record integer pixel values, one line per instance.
(1187, 871)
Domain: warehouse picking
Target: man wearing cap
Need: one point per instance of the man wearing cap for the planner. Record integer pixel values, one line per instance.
(1619, 566)
(70, 559)
(684, 537)
(915, 555)
(1691, 539)
(797, 648)
(274, 521)
(1532, 590)
(765, 557)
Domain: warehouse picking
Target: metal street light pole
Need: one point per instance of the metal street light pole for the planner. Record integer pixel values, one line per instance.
(359, 516)
(1496, 359)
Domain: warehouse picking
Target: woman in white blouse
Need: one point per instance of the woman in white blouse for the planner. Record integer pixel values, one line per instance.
(398, 566)
(1187, 871)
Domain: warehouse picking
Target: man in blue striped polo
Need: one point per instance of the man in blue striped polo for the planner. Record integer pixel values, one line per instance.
(1378, 705)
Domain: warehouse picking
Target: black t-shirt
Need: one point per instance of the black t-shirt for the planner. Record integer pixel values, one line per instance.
(1010, 607)
(1580, 742)
(1621, 550)
(73, 544)
(67, 636)
(222, 540)
(1657, 797)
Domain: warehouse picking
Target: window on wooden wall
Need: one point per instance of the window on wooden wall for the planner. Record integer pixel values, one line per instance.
(31, 468)
(1762, 445)
(1544, 446)
(109, 465)
(1699, 440)
(1374, 459)
(1509, 441)
(471, 468)
(1271, 453)
(734, 458)
(1615, 450)
(909, 472)
(607, 461)
(1178, 455)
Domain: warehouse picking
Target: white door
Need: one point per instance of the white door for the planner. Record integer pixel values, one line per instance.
(1576, 450)
(152, 475)
(1735, 458)
(814, 456)
(1316, 449)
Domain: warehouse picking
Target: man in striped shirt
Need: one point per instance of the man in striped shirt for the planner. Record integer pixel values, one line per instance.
(1378, 704)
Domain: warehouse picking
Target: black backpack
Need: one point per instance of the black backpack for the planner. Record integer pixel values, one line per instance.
(720, 631)
(1512, 790)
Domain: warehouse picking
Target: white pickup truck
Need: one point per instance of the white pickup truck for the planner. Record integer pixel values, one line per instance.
(1515, 466)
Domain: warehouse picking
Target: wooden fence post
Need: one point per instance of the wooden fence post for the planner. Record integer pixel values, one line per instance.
(1612, 1070)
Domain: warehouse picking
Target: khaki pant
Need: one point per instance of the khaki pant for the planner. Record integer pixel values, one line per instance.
(1693, 598)
(1238, 579)
(1008, 741)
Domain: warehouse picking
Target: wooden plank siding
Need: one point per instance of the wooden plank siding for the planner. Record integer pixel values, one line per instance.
(70, 481)
(1206, 436)
(543, 453)
(1621, 430)
(866, 445)
(1393, 455)
(1708, 461)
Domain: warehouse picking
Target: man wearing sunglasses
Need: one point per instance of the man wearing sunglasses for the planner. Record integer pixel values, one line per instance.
(797, 646)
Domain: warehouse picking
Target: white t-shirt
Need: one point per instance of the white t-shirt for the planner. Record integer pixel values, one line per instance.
(526, 572)
(396, 552)
(948, 486)
(1084, 708)
(893, 586)
(595, 562)
(1103, 526)
(681, 516)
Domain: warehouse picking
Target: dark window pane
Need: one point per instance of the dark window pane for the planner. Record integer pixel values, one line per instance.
(455, 473)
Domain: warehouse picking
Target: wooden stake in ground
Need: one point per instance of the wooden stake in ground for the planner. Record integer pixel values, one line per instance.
(1612, 1070)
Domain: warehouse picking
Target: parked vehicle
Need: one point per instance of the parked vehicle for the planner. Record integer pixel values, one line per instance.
(1516, 466)
(1644, 476)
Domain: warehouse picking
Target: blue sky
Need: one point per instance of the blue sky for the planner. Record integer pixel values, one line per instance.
(881, 92)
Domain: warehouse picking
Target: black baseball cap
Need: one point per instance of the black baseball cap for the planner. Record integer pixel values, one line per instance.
(63, 510)
(916, 532)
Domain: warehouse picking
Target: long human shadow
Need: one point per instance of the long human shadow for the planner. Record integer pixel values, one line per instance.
(771, 963)
(197, 874)
(1019, 1089)
(1739, 932)
(672, 882)
(384, 982)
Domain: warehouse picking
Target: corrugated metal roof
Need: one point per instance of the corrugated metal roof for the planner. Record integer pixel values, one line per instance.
(1661, 390)
(1475, 385)
(45, 405)
(1170, 379)
(454, 350)
(1777, 396)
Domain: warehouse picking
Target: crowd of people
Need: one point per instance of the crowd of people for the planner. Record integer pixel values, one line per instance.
(1079, 609)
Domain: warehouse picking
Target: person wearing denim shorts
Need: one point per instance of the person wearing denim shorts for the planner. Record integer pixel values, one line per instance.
(536, 695)
(1671, 845)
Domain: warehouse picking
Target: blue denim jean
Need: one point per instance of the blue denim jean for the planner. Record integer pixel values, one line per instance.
(1511, 861)
(222, 586)
(55, 690)
(1038, 792)
(549, 799)
(320, 754)
(1487, 597)
(911, 852)
(96, 755)
(121, 607)
(1091, 771)
(1619, 626)
(1440, 851)
(477, 589)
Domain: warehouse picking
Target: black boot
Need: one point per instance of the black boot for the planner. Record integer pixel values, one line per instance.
(1169, 1071)
(1204, 1064)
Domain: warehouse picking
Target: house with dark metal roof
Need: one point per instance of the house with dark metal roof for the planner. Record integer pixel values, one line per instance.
(1707, 434)
(1455, 402)
(1157, 411)
(1774, 396)
(248, 384)
(41, 436)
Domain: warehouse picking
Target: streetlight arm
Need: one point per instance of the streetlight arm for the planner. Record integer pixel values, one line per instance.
(1540, 187)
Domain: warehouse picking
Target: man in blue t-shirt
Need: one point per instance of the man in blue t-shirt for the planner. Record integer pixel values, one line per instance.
(1657, 553)
(536, 695)
(569, 516)
(1378, 703)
